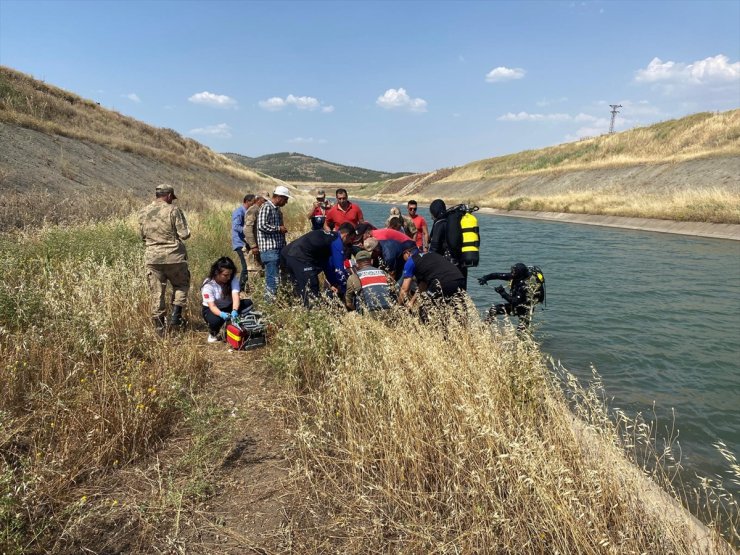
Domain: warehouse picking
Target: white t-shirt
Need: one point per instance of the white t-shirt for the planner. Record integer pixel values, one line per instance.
(212, 292)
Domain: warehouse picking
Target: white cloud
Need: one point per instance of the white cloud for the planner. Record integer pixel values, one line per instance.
(133, 97)
(272, 104)
(525, 116)
(221, 131)
(501, 74)
(303, 102)
(277, 103)
(399, 99)
(711, 71)
(211, 99)
(307, 141)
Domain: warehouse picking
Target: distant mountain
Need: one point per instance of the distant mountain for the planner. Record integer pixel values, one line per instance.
(293, 166)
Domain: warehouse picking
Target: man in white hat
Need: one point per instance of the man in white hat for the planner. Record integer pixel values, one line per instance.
(271, 238)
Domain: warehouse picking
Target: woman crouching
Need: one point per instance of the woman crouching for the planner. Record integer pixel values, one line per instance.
(220, 292)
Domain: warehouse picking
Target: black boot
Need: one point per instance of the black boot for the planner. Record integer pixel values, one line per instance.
(176, 320)
(158, 324)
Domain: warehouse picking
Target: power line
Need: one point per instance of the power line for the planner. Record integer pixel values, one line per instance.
(614, 116)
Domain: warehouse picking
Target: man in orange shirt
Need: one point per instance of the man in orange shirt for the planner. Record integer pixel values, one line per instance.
(422, 231)
(343, 211)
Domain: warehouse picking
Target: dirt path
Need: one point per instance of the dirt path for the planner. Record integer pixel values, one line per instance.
(247, 514)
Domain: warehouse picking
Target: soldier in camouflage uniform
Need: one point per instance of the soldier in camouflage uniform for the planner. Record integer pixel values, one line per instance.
(163, 228)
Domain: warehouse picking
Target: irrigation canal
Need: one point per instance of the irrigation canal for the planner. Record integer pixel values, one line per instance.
(657, 315)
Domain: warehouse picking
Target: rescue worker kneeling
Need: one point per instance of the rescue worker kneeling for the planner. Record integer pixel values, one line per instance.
(370, 289)
(310, 255)
(434, 274)
(220, 294)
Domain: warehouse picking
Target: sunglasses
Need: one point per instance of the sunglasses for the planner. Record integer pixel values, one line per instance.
(412, 209)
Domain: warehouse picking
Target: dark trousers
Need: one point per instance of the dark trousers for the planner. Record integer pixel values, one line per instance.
(305, 279)
(244, 276)
(215, 323)
(523, 311)
(446, 290)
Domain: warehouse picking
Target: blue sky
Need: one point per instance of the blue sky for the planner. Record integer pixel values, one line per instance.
(399, 86)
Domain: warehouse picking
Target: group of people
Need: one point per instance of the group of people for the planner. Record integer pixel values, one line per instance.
(369, 269)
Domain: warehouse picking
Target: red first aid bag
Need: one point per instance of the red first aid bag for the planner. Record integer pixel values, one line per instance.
(234, 336)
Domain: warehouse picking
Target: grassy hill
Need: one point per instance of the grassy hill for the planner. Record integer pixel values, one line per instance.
(293, 166)
(66, 158)
(683, 169)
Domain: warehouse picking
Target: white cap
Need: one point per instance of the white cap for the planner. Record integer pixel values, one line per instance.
(282, 190)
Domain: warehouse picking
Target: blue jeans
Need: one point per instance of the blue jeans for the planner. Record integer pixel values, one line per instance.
(244, 276)
(271, 260)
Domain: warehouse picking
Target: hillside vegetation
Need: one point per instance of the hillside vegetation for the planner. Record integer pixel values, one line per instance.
(293, 166)
(65, 158)
(684, 169)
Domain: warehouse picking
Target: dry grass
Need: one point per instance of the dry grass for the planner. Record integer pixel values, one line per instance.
(413, 439)
(27, 102)
(87, 388)
(699, 135)
(452, 439)
(714, 205)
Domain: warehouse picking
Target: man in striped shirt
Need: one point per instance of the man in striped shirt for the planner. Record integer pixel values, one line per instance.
(271, 238)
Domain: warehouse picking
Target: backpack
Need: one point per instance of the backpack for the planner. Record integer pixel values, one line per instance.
(463, 235)
(537, 284)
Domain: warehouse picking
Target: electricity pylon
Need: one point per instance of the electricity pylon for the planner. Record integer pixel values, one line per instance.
(614, 116)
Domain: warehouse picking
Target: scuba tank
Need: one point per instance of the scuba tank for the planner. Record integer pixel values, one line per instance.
(537, 284)
(463, 235)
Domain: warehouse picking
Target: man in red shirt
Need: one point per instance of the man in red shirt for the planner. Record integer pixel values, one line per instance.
(422, 231)
(343, 211)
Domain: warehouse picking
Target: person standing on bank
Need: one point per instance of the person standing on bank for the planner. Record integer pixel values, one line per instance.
(238, 241)
(163, 228)
(250, 228)
(271, 238)
(438, 237)
(343, 211)
(422, 231)
(317, 213)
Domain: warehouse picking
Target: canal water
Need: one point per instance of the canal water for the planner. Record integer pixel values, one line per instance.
(657, 315)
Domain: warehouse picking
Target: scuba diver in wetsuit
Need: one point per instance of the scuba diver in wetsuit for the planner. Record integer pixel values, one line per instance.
(521, 297)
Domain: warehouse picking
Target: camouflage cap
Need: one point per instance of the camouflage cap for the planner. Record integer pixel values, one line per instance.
(363, 255)
(320, 193)
(164, 188)
(370, 244)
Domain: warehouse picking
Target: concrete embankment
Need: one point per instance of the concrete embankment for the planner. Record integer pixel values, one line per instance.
(699, 229)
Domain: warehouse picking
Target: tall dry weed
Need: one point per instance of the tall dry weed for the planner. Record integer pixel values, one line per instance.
(452, 439)
(86, 386)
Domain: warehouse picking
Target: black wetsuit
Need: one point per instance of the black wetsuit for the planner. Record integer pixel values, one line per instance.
(517, 299)
(305, 258)
(438, 237)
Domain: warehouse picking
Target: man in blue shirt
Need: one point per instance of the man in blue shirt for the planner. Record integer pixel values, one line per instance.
(238, 242)
(336, 271)
(436, 276)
